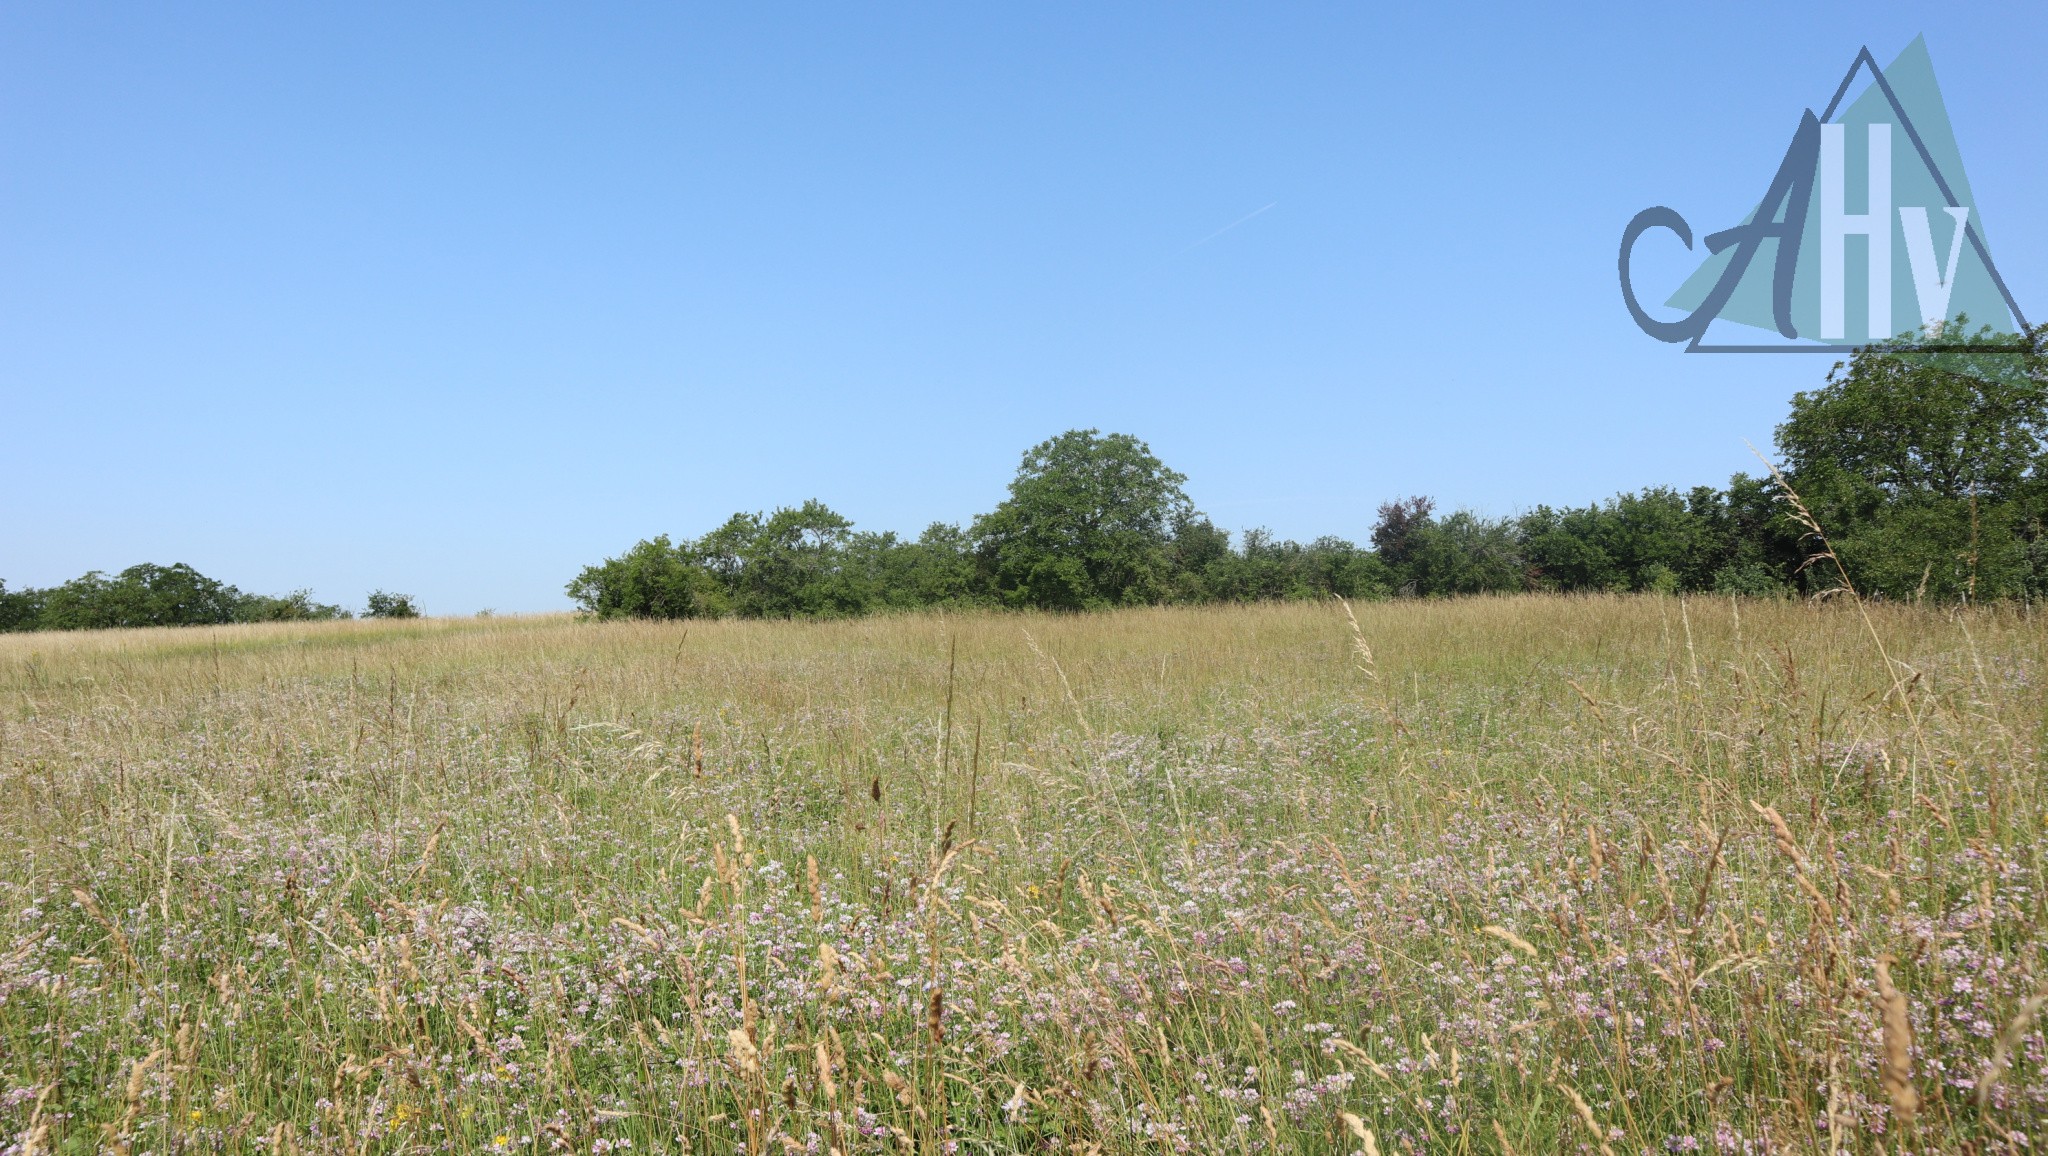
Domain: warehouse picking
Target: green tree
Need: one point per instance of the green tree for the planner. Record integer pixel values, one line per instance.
(1656, 540)
(1465, 554)
(1925, 466)
(387, 605)
(1401, 521)
(20, 609)
(788, 563)
(1908, 422)
(151, 595)
(1200, 560)
(297, 606)
(1271, 569)
(654, 579)
(144, 595)
(1088, 523)
(938, 569)
(1756, 544)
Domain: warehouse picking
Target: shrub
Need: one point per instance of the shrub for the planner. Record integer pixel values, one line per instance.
(144, 595)
(385, 605)
(654, 579)
(298, 606)
(1466, 554)
(1749, 579)
(1400, 521)
(20, 609)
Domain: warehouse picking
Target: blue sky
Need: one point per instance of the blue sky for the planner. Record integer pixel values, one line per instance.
(455, 299)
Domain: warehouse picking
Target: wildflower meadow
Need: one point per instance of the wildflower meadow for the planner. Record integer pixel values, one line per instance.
(1533, 874)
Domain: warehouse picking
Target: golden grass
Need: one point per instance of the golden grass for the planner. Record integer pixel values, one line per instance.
(1519, 874)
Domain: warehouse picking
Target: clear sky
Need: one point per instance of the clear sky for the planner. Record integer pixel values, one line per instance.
(453, 300)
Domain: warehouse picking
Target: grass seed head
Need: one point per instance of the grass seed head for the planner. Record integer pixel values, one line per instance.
(1895, 1065)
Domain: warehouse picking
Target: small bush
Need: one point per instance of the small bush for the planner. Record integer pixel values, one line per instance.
(298, 606)
(385, 605)
(1749, 579)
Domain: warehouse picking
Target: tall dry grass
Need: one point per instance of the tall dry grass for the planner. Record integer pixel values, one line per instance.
(1516, 875)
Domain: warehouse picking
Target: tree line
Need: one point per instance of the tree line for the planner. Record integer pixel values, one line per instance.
(175, 595)
(1923, 463)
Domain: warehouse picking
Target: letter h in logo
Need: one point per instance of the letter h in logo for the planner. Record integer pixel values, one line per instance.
(1837, 224)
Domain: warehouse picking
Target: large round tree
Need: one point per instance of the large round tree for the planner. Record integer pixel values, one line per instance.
(1087, 524)
(1926, 467)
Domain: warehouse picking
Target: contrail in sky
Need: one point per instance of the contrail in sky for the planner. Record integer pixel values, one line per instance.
(1227, 228)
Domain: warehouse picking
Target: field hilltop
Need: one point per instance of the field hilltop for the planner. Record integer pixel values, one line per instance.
(1530, 874)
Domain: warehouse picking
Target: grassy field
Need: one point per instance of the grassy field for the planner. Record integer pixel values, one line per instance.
(1529, 875)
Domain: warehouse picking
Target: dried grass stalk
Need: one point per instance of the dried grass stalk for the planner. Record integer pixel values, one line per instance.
(1895, 1066)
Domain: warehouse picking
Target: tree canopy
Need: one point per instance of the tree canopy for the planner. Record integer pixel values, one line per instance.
(153, 595)
(1925, 467)
(1088, 524)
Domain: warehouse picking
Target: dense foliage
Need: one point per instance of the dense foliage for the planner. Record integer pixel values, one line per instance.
(386, 605)
(1925, 468)
(177, 595)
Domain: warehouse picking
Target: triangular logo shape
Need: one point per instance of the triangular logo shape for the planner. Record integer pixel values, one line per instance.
(1870, 231)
